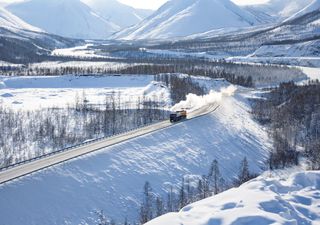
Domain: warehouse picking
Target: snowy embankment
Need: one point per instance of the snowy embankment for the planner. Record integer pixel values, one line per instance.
(112, 179)
(262, 201)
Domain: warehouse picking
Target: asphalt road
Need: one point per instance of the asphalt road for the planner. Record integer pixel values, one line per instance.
(30, 167)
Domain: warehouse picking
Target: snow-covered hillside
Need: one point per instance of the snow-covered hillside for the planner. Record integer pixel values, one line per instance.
(279, 9)
(8, 20)
(112, 179)
(262, 201)
(118, 13)
(21, 41)
(313, 6)
(69, 18)
(185, 17)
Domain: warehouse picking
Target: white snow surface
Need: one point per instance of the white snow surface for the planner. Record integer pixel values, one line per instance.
(179, 18)
(78, 51)
(262, 201)
(112, 178)
(69, 18)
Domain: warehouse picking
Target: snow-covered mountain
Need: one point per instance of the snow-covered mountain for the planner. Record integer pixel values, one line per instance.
(185, 17)
(262, 201)
(314, 6)
(118, 13)
(21, 41)
(8, 20)
(69, 18)
(278, 9)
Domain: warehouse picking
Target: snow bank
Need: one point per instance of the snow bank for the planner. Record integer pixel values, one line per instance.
(194, 102)
(262, 201)
(159, 90)
(112, 178)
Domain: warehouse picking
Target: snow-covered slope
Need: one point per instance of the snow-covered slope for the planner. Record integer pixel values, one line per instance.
(69, 18)
(185, 17)
(112, 179)
(118, 13)
(22, 42)
(312, 7)
(262, 201)
(279, 9)
(9, 20)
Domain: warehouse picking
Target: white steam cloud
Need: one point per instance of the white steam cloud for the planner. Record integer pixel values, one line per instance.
(194, 102)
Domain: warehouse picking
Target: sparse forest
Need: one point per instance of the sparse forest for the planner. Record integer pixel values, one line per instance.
(293, 114)
(51, 129)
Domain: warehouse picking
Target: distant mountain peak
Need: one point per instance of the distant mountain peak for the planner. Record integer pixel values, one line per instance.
(88, 19)
(185, 17)
(8, 20)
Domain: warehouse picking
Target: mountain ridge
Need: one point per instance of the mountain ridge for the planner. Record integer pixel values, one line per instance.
(182, 18)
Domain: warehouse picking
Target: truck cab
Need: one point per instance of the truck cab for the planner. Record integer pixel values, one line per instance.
(178, 115)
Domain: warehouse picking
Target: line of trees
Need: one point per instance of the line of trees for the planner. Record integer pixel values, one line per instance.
(293, 114)
(241, 74)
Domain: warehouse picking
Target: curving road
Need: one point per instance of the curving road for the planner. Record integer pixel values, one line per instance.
(30, 167)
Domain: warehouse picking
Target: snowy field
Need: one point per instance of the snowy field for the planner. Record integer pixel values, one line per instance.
(79, 51)
(59, 91)
(112, 179)
(281, 200)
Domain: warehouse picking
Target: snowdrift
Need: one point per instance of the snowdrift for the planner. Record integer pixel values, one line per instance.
(263, 201)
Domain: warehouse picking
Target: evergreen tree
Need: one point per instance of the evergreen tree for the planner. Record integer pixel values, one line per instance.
(244, 173)
(159, 207)
(215, 178)
(146, 207)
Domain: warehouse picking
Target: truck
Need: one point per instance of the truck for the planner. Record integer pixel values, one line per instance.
(178, 116)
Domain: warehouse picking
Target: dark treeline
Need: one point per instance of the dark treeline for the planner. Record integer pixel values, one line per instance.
(28, 134)
(241, 74)
(293, 113)
(180, 86)
(189, 190)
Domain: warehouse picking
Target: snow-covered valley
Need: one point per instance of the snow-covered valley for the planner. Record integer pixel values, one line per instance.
(200, 112)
